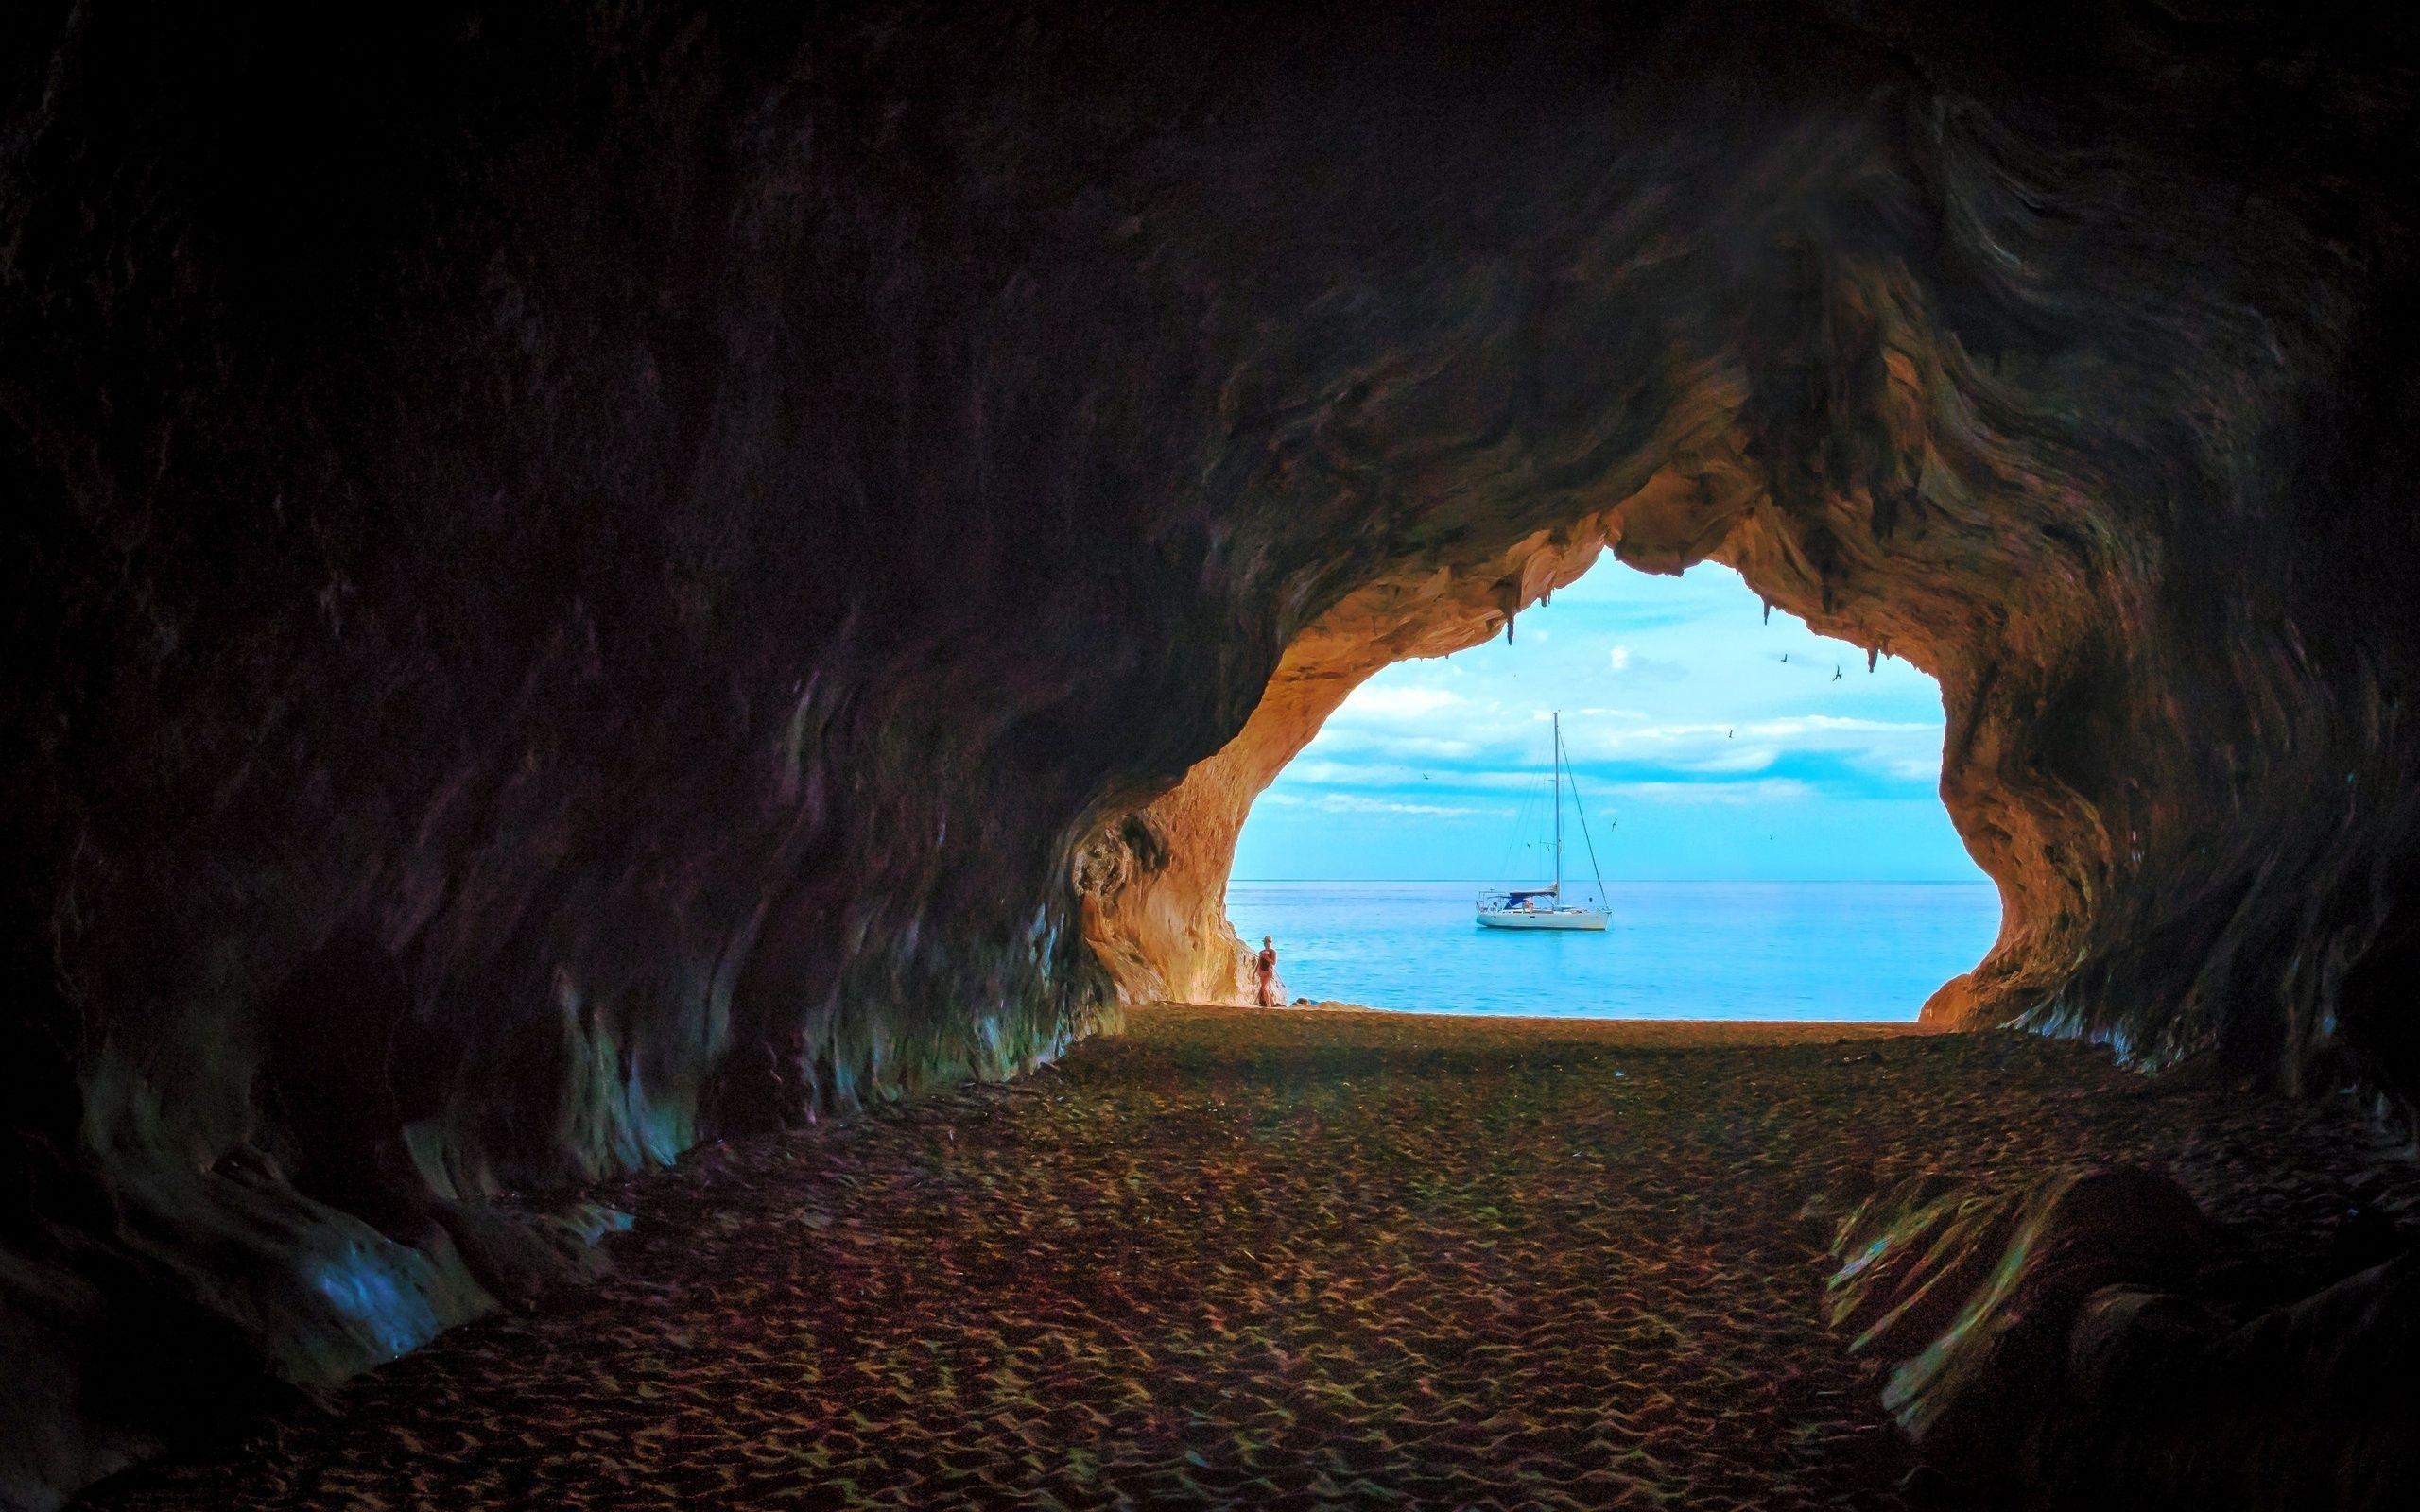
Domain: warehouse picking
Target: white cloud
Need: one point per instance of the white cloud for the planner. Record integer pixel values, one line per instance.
(1316, 772)
(1479, 743)
(1674, 692)
(1764, 791)
(1895, 748)
(1348, 774)
(1626, 661)
(1734, 756)
(1406, 746)
(1356, 803)
(1379, 701)
(1809, 723)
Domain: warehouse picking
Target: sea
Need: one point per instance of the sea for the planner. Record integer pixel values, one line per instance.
(1852, 951)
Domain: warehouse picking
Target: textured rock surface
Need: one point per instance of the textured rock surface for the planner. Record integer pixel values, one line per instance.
(1977, 1297)
(2096, 1341)
(578, 577)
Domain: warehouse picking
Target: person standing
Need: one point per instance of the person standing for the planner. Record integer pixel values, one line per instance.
(1266, 965)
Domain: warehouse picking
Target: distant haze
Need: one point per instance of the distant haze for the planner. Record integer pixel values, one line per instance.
(1727, 748)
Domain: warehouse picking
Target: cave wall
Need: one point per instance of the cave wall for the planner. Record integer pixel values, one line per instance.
(582, 578)
(2068, 383)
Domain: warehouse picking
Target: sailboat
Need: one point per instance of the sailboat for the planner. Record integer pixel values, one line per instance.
(1543, 907)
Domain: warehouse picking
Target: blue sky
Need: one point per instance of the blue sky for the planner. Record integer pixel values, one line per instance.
(1723, 744)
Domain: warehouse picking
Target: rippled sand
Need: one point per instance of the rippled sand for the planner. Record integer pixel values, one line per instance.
(1266, 1260)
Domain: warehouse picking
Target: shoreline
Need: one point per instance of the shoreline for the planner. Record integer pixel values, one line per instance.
(1710, 1032)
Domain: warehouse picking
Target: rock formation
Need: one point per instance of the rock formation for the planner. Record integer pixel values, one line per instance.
(2095, 1341)
(582, 577)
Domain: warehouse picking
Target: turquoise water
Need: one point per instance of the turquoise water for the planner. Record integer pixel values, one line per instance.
(1695, 950)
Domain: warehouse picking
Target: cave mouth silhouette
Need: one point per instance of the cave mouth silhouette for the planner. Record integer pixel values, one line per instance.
(1154, 883)
(1758, 799)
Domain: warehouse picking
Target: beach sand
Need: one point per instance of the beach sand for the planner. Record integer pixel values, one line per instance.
(1268, 1259)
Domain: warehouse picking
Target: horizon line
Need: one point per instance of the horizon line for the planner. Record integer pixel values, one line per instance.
(1793, 882)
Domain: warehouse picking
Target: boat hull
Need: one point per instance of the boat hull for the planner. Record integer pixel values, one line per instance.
(1542, 918)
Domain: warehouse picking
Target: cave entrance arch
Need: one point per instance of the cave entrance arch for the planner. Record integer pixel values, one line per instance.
(1150, 879)
(1782, 848)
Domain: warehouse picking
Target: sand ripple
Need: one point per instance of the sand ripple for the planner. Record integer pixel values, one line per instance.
(1259, 1260)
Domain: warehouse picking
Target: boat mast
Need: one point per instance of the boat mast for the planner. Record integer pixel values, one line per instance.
(1558, 805)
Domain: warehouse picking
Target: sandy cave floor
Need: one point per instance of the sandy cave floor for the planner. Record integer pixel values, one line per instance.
(1268, 1259)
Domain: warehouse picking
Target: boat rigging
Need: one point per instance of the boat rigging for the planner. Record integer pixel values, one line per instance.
(1543, 907)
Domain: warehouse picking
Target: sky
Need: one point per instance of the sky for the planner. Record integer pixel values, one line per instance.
(1707, 744)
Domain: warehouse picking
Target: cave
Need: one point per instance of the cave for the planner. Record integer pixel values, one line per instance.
(588, 586)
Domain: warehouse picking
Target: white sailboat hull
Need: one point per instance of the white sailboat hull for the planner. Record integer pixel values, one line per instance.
(1542, 918)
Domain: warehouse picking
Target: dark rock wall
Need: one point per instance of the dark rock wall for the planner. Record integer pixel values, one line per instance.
(580, 575)
(2094, 1340)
